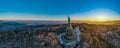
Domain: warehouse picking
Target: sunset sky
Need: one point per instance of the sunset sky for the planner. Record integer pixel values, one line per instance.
(59, 9)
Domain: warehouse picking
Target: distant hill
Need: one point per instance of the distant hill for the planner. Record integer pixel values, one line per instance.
(10, 25)
(1, 20)
(38, 22)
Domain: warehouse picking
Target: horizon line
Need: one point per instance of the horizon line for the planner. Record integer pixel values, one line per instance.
(59, 20)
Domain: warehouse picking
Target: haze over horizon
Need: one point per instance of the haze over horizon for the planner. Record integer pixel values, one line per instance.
(87, 10)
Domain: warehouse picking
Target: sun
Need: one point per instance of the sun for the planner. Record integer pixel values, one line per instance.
(101, 18)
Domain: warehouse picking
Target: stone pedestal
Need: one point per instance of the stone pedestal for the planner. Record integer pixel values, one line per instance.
(66, 42)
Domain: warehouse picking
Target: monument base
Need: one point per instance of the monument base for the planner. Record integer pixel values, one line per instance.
(66, 42)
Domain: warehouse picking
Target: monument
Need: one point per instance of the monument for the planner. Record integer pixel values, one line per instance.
(70, 38)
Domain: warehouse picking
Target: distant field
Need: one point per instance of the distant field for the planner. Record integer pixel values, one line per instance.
(105, 22)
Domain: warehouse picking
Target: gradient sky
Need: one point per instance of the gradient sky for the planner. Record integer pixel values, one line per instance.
(58, 9)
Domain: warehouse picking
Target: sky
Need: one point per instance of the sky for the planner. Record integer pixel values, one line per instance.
(59, 9)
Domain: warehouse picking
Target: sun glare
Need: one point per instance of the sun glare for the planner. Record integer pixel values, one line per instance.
(101, 18)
